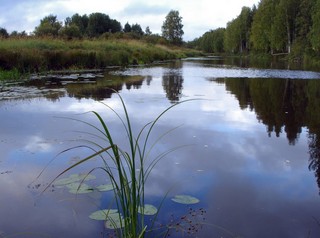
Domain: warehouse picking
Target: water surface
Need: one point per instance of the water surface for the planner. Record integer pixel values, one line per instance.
(251, 149)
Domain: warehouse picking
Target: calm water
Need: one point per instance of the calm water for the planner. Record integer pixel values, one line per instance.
(251, 155)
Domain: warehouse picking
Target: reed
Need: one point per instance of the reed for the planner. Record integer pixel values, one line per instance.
(128, 170)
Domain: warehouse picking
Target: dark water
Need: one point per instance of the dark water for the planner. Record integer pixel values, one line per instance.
(253, 154)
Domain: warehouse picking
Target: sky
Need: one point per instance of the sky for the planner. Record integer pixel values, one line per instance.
(198, 16)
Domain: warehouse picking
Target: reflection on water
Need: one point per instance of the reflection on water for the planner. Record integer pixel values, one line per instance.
(284, 106)
(253, 144)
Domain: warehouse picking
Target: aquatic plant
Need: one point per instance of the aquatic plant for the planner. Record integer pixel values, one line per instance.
(128, 172)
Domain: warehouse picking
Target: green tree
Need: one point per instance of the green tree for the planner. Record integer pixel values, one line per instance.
(127, 27)
(136, 28)
(100, 23)
(232, 39)
(3, 33)
(315, 29)
(261, 27)
(212, 41)
(80, 21)
(18, 34)
(284, 28)
(172, 28)
(148, 31)
(70, 32)
(49, 26)
(278, 35)
(237, 34)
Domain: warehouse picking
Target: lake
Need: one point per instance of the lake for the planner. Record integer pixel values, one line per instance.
(248, 147)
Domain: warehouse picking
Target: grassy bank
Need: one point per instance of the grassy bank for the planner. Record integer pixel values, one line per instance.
(30, 55)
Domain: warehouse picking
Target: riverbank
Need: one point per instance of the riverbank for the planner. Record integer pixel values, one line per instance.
(32, 55)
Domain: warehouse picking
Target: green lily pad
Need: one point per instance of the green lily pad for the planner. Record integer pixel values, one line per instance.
(114, 221)
(78, 188)
(101, 215)
(73, 178)
(105, 187)
(185, 199)
(112, 218)
(148, 210)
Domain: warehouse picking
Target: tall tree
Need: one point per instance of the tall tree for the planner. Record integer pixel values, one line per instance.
(148, 31)
(278, 34)
(3, 33)
(127, 27)
(80, 21)
(315, 29)
(136, 28)
(232, 36)
(238, 32)
(262, 23)
(211, 41)
(100, 23)
(49, 26)
(172, 28)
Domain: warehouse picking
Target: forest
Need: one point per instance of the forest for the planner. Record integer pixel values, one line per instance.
(100, 25)
(274, 27)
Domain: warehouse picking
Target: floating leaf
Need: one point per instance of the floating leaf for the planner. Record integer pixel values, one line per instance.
(79, 188)
(102, 214)
(148, 210)
(65, 181)
(105, 187)
(114, 221)
(73, 178)
(185, 199)
(112, 217)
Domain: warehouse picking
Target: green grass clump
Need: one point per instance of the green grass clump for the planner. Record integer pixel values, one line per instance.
(127, 170)
(13, 74)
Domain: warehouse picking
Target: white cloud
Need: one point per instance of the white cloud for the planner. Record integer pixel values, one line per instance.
(38, 144)
(198, 16)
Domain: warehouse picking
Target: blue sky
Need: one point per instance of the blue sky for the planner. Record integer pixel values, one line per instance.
(199, 16)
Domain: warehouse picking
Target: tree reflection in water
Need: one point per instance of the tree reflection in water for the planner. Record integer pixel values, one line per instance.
(284, 106)
(172, 82)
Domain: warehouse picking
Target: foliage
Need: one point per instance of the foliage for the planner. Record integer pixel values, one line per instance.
(127, 27)
(80, 21)
(211, 41)
(274, 26)
(315, 30)
(238, 31)
(49, 26)
(70, 32)
(100, 23)
(172, 28)
(9, 74)
(148, 31)
(3, 33)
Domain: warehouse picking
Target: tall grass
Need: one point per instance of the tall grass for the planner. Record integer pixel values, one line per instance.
(129, 170)
(44, 54)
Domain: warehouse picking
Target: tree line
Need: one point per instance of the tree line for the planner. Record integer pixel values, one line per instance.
(100, 24)
(273, 27)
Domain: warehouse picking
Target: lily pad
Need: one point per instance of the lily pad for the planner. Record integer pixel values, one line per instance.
(114, 221)
(101, 215)
(148, 210)
(112, 218)
(185, 199)
(104, 187)
(73, 178)
(78, 188)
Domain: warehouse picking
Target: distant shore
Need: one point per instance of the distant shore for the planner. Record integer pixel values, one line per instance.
(34, 55)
